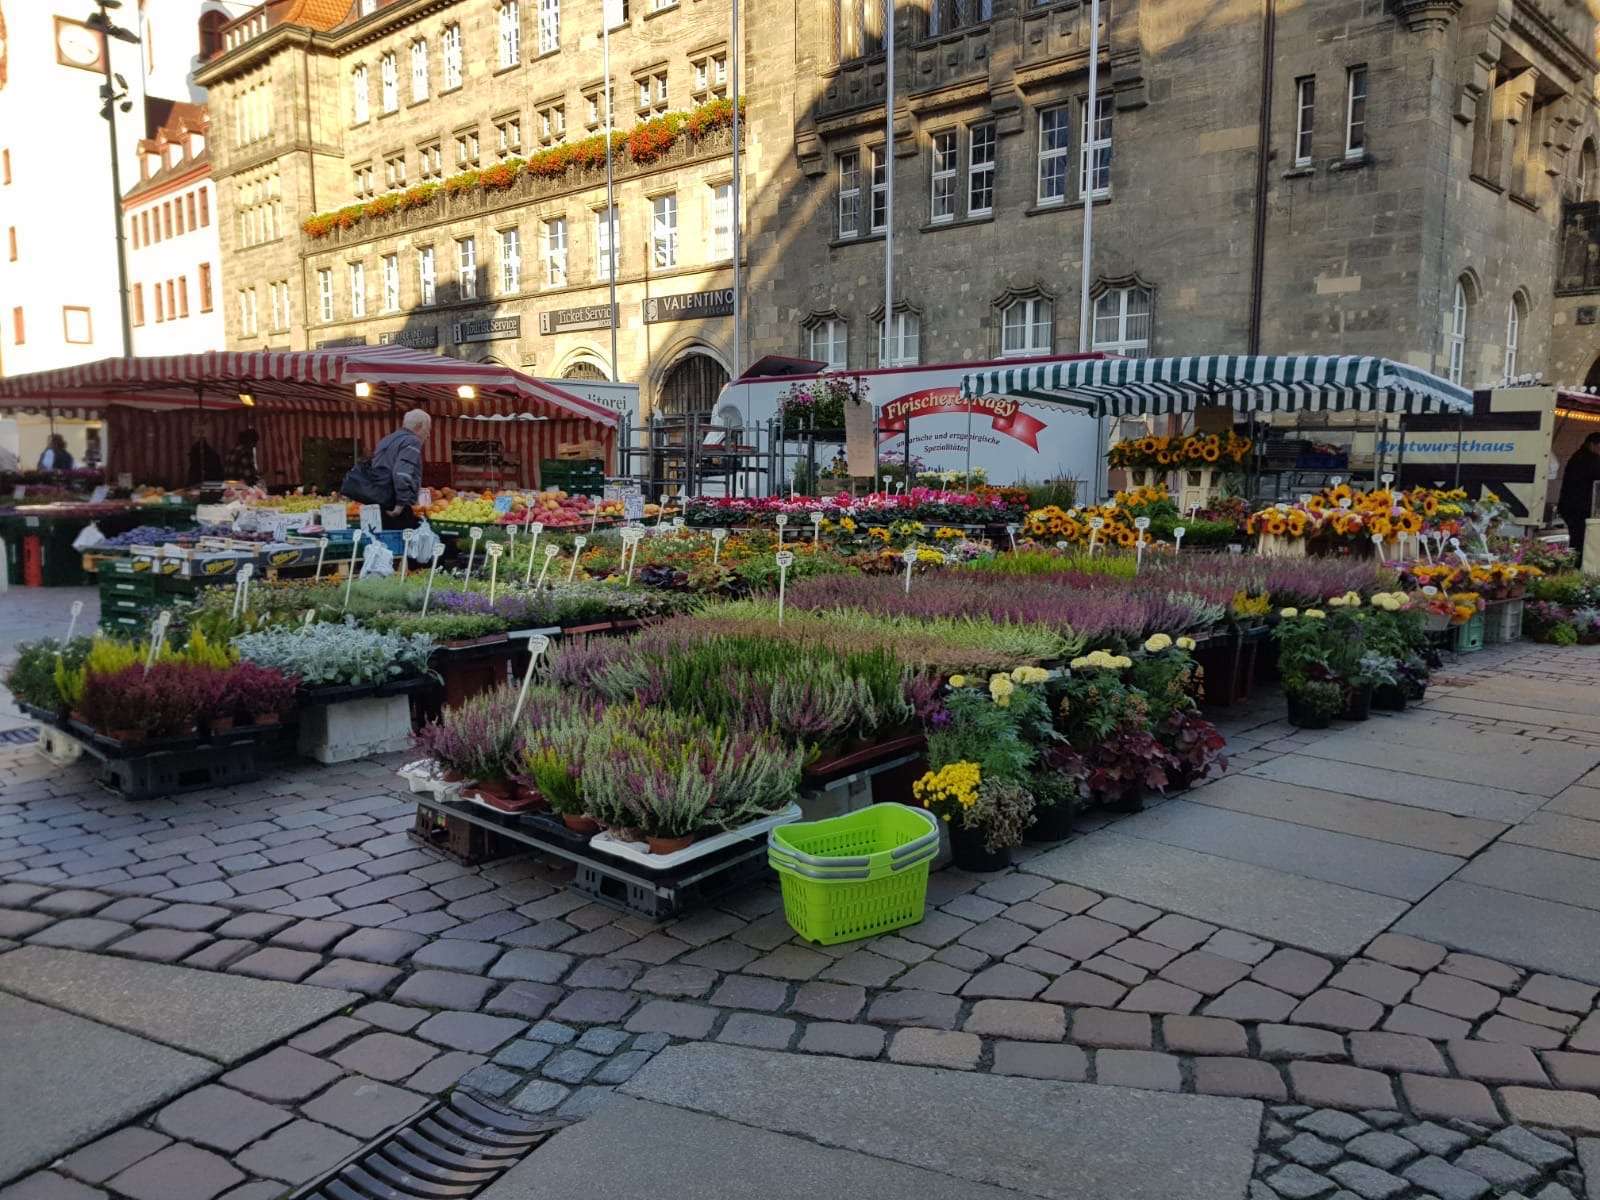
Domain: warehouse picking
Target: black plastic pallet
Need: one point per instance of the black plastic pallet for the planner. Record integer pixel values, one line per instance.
(168, 773)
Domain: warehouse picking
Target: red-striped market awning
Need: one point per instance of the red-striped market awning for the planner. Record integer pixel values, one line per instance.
(302, 380)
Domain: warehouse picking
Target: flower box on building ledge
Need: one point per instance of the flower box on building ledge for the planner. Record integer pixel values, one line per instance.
(671, 140)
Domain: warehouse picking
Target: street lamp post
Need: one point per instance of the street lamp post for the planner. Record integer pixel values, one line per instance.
(114, 94)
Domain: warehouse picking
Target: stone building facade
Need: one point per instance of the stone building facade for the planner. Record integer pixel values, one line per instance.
(1336, 176)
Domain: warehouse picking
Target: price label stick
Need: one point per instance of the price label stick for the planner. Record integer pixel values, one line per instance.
(594, 515)
(511, 536)
(494, 551)
(717, 537)
(578, 543)
(158, 635)
(1455, 547)
(238, 595)
(1095, 524)
(407, 537)
(535, 528)
(630, 553)
(322, 550)
(72, 625)
(246, 574)
(816, 529)
(1177, 537)
(1011, 533)
(550, 553)
(427, 593)
(310, 616)
(1427, 554)
(355, 549)
(537, 645)
(472, 552)
(785, 560)
(909, 557)
(1141, 524)
(781, 520)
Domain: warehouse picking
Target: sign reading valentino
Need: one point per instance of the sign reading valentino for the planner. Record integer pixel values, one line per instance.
(590, 316)
(486, 329)
(689, 306)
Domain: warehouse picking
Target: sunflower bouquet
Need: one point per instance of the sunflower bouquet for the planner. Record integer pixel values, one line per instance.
(1180, 451)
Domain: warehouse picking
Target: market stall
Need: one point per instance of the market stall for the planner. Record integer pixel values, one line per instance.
(297, 399)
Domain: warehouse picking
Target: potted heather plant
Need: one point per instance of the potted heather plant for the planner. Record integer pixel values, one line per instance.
(257, 695)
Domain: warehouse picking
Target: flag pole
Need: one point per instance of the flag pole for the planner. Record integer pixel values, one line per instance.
(738, 281)
(1086, 176)
(611, 197)
(888, 182)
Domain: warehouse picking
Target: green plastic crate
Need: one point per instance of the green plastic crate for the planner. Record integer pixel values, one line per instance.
(855, 876)
(1469, 637)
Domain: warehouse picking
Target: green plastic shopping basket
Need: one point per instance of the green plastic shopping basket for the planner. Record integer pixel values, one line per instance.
(853, 876)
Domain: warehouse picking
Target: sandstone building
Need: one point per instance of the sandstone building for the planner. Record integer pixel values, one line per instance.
(1335, 176)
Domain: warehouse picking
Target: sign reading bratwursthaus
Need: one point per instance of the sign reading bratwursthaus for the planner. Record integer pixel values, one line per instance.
(689, 306)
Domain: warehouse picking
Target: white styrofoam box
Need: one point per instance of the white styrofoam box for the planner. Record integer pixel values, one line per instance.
(60, 748)
(351, 729)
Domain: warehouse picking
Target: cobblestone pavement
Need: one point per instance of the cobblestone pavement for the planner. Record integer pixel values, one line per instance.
(503, 979)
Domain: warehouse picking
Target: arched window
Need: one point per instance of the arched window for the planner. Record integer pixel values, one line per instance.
(211, 24)
(691, 386)
(1027, 326)
(827, 339)
(583, 369)
(1514, 314)
(1122, 322)
(1460, 312)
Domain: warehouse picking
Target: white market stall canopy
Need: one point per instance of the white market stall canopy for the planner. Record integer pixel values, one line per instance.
(1123, 387)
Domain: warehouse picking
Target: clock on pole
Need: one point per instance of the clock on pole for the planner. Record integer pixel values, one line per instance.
(77, 45)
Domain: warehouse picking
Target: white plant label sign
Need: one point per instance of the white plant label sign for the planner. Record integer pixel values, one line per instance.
(785, 560)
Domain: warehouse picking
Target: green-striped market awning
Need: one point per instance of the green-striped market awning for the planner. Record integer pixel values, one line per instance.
(1121, 387)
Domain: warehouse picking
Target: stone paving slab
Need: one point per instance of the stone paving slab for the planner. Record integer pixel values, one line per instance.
(1560, 938)
(1546, 830)
(1417, 791)
(1288, 908)
(635, 1150)
(1555, 767)
(223, 1017)
(1354, 862)
(1517, 714)
(65, 1080)
(1543, 694)
(1042, 1138)
(1531, 871)
(1338, 812)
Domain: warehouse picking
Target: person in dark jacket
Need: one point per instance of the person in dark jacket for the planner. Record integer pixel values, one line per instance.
(205, 464)
(1577, 491)
(56, 456)
(395, 470)
(242, 458)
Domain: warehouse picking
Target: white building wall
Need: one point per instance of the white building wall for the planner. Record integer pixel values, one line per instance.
(191, 321)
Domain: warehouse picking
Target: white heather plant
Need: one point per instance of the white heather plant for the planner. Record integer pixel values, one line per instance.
(324, 655)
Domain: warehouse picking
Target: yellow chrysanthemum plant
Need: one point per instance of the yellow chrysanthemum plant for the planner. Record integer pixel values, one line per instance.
(949, 791)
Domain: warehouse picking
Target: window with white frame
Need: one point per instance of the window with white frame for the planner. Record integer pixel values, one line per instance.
(510, 41)
(1055, 144)
(880, 191)
(508, 134)
(1513, 336)
(427, 281)
(467, 268)
(466, 148)
(555, 252)
(900, 343)
(360, 96)
(358, 289)
(389, 72)
(1355, 118)
(1094, 179)
(1026, 327)
(325, 294)
(1460, 312)
(662, 5)
(419, 70)
(942, 199)
(643, 84)
(721, 221)
(248, 322)
(394, 170)
(606, 250)
(661, 90)
(510, 262)
(430, 161)
(701, 76)
(1305, 118)
(278, 293)
(549, 26)
(1122, 322)
(391, 283)
(719, 69)
(860, 26)
(664, 230)
(849, 194)
(451, 42)
(980, 169)
(830, 342)
(615, 13)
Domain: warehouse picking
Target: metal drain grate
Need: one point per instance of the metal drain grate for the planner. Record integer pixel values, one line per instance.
(453, 1150)
(18, 737)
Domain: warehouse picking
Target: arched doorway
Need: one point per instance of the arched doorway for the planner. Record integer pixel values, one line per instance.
(583, 369)
(1592, 380)
(691, 385)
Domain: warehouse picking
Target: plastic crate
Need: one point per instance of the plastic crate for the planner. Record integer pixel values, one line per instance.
(828, 904)
(1468, 638)
(1502, 623)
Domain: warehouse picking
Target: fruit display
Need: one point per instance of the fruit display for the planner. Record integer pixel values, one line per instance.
(554, 508)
